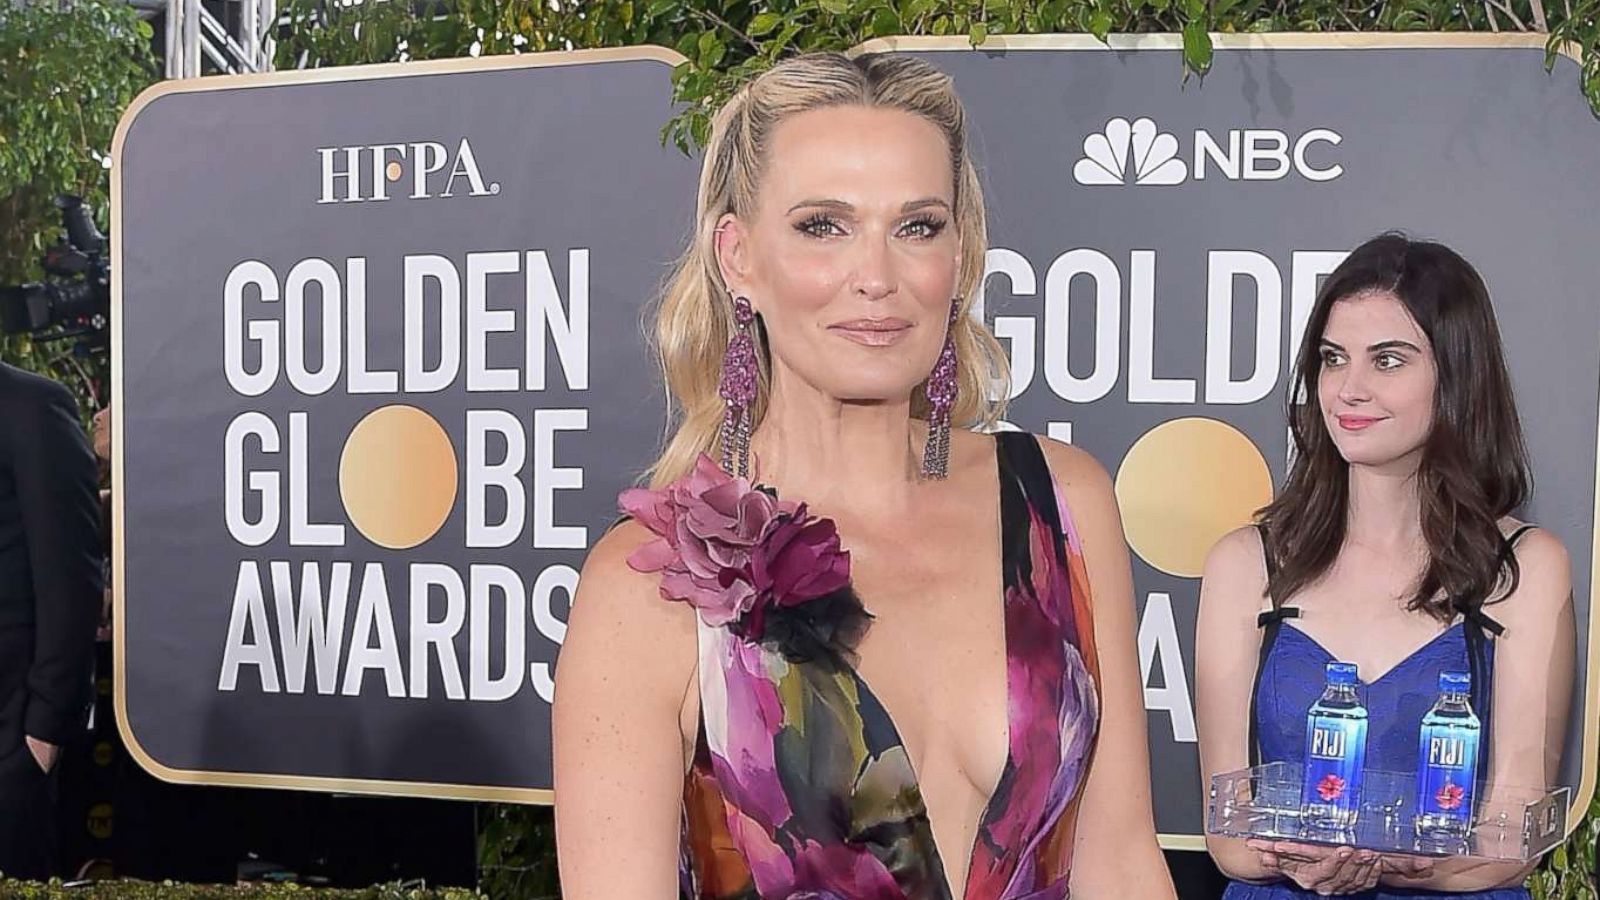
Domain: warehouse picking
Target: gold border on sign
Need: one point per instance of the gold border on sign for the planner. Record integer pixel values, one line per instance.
(210, 84)
(1290, 40)
(1323, 41)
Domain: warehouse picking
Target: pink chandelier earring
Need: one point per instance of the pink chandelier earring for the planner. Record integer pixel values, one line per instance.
(738, 391)
(941, 390)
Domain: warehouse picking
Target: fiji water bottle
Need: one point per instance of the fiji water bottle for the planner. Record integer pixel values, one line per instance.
(1336, 751)
(1447, 762)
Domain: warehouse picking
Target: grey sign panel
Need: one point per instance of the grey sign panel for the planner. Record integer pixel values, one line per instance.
(380, 376)
(1156, 243)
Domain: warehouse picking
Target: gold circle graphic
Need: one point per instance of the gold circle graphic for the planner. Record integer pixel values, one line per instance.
(1184, 484)
(397, 476)
(393, 170)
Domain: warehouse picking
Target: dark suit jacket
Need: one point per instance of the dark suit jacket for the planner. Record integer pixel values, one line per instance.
(50, 557)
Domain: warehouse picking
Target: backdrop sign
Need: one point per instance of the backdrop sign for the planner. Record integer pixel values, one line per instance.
(380, 385)
(381, 378)
(1156, 247)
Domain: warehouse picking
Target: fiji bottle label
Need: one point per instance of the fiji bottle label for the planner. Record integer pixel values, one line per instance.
(1335, 752)
(1449, 766)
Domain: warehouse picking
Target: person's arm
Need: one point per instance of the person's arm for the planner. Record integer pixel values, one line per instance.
(58, 497)
(1115, 853)
(1533, 671)
(1227, 646)
(622, 679)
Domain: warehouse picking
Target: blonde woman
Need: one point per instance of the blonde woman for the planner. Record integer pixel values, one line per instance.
(845, 647)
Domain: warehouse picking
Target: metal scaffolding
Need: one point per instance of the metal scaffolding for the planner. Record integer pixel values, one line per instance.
(227, 37)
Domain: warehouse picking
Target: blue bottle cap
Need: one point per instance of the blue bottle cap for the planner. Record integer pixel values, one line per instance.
(1455, 682)
(1341, 673)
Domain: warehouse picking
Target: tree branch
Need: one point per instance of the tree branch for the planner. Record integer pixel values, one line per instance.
(1506, 8)
(84, 378)
(723, 23)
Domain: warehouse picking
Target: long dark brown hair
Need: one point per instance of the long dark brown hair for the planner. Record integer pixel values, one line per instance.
(1474, 467)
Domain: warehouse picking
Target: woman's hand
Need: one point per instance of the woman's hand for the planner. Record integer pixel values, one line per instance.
(1396, 865)
(1324, 870)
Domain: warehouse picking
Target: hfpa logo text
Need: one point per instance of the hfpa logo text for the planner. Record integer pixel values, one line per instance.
(1140, 153)
(365, 172)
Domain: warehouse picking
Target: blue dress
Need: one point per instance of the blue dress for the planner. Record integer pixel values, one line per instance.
(1292, 677)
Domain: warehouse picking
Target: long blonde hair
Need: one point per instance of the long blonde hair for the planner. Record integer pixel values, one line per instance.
(694, 319)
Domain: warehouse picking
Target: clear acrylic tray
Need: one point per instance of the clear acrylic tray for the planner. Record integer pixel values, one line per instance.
(1510, 823)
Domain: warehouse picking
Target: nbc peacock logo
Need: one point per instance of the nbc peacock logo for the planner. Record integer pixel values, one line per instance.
(1136, 150)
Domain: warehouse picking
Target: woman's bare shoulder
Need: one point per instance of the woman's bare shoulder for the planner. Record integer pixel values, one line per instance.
(1533, 542)
(1239, 552)
(1233, 580)
(622, 609)
(1544, 576)
(1074, 468)
(1089, 503)
(1067, 463)
(608, 559)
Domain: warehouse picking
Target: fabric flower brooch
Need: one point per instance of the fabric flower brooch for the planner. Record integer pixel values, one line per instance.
(744, 559)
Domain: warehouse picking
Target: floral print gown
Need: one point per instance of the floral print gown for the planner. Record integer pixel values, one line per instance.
(800, 785)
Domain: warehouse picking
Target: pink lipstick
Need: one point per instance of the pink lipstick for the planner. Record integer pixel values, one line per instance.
(872, 332)
(1357, 423)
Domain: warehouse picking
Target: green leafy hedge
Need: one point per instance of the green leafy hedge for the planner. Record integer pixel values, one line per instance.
(517, 852)
(1569, 872)
(167, 890)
